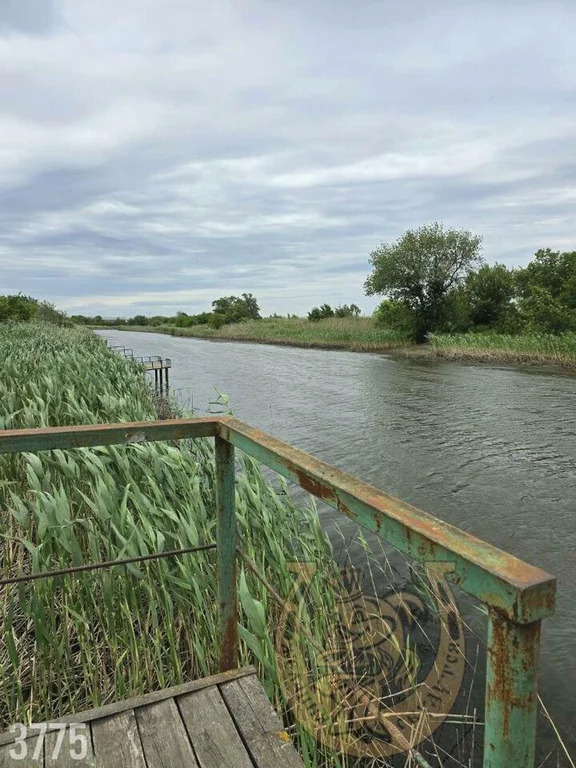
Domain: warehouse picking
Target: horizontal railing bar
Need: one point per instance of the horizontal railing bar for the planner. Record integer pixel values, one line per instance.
(522, 592)
(157, 365)
(91, 435)
(104, 564)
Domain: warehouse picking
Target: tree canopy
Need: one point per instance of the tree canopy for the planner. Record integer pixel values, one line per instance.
(421, 269)
(547, 292)
(234, 308)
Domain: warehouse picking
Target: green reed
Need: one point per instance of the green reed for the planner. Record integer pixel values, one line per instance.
(76, 642)
(541, 347)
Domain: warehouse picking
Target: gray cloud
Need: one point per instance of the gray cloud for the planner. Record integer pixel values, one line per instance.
(28, 16)
(156, 156)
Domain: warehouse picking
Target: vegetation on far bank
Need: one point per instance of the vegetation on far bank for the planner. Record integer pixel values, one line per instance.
(546, 349)
(438, 294)
(364, 335)
(359, 334)
(435, 281)
(436, 289)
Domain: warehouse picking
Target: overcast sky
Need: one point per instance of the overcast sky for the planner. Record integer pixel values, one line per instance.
(157, 154)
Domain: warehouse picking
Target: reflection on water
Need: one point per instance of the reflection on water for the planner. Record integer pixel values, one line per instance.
(491, 450)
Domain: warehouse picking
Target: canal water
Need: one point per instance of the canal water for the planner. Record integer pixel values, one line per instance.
(490, 449)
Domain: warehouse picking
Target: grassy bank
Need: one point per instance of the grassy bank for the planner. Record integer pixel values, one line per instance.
(76, 642)
(357, 334)
(361, 335)
(539, 349)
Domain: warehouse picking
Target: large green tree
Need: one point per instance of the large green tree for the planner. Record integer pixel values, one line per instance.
(421, 269)
(235, 308)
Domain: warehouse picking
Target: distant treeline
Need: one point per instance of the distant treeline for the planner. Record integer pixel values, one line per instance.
(227, 309)
(538, 298)
(433, 281)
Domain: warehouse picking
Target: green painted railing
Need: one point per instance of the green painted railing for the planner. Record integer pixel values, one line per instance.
(518, 595)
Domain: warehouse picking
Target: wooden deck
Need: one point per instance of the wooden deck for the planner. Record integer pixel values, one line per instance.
(225, 721)
(157, 365)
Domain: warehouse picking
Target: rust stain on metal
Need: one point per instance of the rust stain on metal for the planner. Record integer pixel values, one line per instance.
(229, 647)
(508, 656)
(104, 428)
(500, 689)
(315, 487)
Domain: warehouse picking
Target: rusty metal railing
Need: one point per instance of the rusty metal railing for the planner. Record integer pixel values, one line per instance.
(518, 595)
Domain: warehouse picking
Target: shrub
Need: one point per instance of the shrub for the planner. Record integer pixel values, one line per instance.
(347, 310)
(395, 314)
(320, 313)
(217, 320)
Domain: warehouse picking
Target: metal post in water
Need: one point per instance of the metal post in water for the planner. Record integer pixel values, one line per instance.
(226, 546)
(511, 692)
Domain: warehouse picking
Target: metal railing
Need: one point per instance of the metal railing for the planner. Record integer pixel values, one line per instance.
(518, 595)
(151, 363)
(119, 348)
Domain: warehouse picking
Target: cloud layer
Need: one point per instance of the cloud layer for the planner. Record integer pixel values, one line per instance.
(154, 156)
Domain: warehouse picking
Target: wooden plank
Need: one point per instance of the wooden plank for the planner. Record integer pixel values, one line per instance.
(212, 731)
(75, 743)
(140, 701)
(163, 736)
(261, 728)
(7, 761)
(117, 742)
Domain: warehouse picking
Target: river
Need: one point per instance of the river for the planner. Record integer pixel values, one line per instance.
(490, 449)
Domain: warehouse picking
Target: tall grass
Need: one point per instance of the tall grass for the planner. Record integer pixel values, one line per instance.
(76, 642)
(355, 333)
(556, 349)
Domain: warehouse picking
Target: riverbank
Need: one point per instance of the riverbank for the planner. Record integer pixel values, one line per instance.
(355, 334)
(361, 335)
(556, 351)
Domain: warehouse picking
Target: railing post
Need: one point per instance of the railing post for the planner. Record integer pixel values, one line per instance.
(511, 692)
(226, 542)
